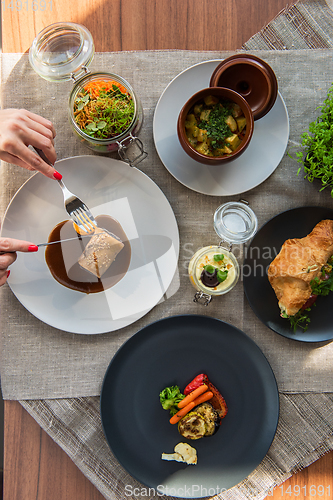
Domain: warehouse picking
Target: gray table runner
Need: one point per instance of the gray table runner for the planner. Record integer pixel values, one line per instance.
(306, 422)
(53, 364)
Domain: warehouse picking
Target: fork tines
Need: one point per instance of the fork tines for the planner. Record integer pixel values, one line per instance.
(84, 219)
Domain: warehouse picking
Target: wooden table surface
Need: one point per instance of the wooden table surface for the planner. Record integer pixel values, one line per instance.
(35, 468)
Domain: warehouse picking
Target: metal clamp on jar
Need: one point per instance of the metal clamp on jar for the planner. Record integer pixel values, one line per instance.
(214, 269)
(62, 52)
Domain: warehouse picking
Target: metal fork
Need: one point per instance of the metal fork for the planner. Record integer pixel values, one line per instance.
(75, 207)
(78, 210)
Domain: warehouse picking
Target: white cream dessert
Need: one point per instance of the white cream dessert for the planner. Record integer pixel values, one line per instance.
(100, 252)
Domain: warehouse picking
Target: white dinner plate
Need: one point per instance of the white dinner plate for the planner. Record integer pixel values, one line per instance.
(110, 187)
(255, 165)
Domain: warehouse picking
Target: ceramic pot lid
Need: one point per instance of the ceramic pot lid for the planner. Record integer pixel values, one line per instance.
(251, 77)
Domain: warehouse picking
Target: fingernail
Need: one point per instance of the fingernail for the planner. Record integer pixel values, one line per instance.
(8, 273)
(57, 175)
(33, 248)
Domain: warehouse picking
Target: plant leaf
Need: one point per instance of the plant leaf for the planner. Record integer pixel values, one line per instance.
(101, 124)
(92, 126)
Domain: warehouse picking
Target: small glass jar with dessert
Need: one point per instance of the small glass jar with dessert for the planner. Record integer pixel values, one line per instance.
(214, 270)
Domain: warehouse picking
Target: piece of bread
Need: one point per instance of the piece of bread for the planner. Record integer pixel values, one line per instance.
(300, 260)
(100, 252)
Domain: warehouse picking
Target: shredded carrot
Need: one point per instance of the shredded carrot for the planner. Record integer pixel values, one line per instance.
(95, 87)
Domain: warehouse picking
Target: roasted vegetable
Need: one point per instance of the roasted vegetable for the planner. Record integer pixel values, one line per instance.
(196, 382)
(170, 397)
(202, 421)
(218, 401)
(211, 417)
(206, 396)
(181, 413)
(193, 395)
(192, 426)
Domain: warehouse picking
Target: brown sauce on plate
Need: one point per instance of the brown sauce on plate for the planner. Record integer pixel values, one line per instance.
(62, 258)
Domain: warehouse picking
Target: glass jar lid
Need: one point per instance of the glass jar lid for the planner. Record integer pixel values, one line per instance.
(235, 222)
(61, 51)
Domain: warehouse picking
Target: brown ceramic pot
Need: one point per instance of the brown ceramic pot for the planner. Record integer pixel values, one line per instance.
(221, 93)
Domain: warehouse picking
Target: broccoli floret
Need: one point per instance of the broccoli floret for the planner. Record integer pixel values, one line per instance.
(170, 397)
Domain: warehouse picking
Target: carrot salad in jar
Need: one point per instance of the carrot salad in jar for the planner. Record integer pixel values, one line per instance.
(103, 109)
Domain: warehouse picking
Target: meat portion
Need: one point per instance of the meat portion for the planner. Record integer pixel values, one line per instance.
(299, 261)
(100, 252)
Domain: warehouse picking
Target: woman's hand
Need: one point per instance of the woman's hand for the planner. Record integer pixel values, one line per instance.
(8, 249)
(20, 128)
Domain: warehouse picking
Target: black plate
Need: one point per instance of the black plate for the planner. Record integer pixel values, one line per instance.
(171, 352)
(266, 244)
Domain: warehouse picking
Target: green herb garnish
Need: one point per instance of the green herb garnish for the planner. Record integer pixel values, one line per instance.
(317, 160)
(222, 275)
(170, 397)
(320, 285)
(209, 269)
(299, 320)
(218, 257)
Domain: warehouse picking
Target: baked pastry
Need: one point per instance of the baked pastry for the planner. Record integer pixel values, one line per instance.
(100, 252)
(300, 260)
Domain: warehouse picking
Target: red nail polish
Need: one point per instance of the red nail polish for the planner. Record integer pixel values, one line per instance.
(33, 248)
(8, 273)
(57, 175)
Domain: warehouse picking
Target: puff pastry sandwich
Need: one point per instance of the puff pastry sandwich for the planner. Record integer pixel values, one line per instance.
(300, 260)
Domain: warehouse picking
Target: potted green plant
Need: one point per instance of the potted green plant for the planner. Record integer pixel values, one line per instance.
(316, 159)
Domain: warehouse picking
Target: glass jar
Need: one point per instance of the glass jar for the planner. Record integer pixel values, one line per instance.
(62, 52)
(214, 270)
(235, 222)
(120, 142)
(208, 284)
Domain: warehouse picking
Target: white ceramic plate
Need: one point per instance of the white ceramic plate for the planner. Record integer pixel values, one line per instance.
(109, 187)
(256, 164)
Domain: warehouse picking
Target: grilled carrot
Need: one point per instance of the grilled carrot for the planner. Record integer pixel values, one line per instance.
(181, 413)
(193, 395)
